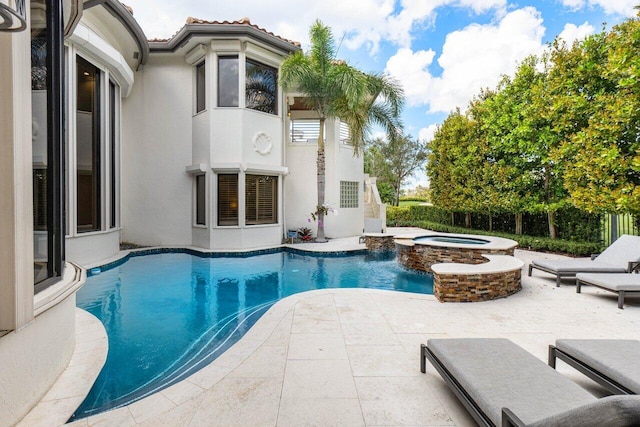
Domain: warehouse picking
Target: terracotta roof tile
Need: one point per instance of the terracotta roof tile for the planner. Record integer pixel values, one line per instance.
(244, 21)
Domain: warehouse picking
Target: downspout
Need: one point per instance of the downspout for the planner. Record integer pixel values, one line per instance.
(285, 117)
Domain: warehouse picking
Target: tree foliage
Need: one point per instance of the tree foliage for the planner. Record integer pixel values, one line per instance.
(394, 161)
(563, 131)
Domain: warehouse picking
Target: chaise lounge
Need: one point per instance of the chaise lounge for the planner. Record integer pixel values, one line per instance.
(499, 383)
(618, 283)
(622, 256)
(614, 364)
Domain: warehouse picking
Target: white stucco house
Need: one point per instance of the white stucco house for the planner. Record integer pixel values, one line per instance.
(106, 137)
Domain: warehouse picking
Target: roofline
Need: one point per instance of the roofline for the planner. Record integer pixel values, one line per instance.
(189, 31)
(121, 13)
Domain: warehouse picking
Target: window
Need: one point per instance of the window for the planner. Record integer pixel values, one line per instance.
(201, 199)
(113, 153)
(345, 134)
(88, 153)
(261, 87)
(348, 194)
(304, 130)
(200, 87)
(228, 81)
(261, 199)
(227, 199)
(47, 141)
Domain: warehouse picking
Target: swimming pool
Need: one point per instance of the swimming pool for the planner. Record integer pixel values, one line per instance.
(167, 315)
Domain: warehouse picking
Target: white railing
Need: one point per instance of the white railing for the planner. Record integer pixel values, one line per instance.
(372, 200)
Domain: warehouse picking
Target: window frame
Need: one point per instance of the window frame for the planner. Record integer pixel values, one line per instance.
(274, 180)
(275, 103)
(55, 147)
(219, 83)
(98, 144)
(200, 100)
(349, 189)
(220, 199)
(200, 200)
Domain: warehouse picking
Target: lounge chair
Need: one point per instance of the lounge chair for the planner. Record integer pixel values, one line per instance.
(622, 256)
(614, 364)
(618, 283)
(499, 383)
(372, 225)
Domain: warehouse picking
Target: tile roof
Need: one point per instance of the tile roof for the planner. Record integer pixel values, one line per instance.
(244, 21)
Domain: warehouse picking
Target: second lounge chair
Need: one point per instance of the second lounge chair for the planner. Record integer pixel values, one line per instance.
(499, 383)
(621, 256)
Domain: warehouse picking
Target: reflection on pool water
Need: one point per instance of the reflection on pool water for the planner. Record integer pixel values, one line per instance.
(167, 315)
(452, 239)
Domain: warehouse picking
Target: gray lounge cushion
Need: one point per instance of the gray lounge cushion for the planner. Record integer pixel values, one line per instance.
(578, 265)
(614, 259)
(611, 411)
(497, 373)
(617, 359)
(620, 252)
(612, 281)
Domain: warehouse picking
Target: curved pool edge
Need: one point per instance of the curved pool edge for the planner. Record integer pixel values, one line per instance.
(272, 329)
(73, 385)
(311, 249)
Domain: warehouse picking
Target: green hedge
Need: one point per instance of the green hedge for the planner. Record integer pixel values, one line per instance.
(417, 213)
(533, 243)
(573, 224)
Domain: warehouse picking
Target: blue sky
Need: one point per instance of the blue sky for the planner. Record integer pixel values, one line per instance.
(442, 51)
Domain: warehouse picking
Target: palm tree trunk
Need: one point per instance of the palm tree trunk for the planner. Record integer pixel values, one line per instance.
(320, 164)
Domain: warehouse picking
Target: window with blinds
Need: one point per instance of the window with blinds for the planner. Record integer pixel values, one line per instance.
(261, 199)
(345, 134)
(227, 199)
(348, 194)
(304, 130)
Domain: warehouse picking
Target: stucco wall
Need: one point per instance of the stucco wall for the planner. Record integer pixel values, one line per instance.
(301, 185)
(156, 149)
(32, 358)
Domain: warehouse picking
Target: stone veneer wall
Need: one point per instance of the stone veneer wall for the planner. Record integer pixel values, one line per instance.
(379, 243)
(476, 287)
(422, 257)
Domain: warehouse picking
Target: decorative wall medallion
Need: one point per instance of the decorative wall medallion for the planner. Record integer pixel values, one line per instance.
(262, 143)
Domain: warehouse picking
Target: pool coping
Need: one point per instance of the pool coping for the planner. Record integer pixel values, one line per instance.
(494, 242)
(125, 255)
(73, 385)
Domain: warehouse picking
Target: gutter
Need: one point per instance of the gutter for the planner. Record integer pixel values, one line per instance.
(117, 9)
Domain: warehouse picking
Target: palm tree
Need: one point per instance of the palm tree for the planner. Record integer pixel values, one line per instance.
(334, 89)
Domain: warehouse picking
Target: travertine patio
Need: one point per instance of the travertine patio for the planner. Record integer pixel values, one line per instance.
(351, 357)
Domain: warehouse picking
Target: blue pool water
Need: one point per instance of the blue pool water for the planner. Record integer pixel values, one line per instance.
(169, 314)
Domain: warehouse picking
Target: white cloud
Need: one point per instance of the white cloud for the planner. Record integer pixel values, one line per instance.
(411, 69)
(426, 134)
(611, 7)
(472, 58)
(361, 22)
(571, 32)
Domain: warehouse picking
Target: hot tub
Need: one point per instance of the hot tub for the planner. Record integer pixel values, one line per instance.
(420, 252)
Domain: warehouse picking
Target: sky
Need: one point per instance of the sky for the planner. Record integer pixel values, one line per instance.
(443, 52)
